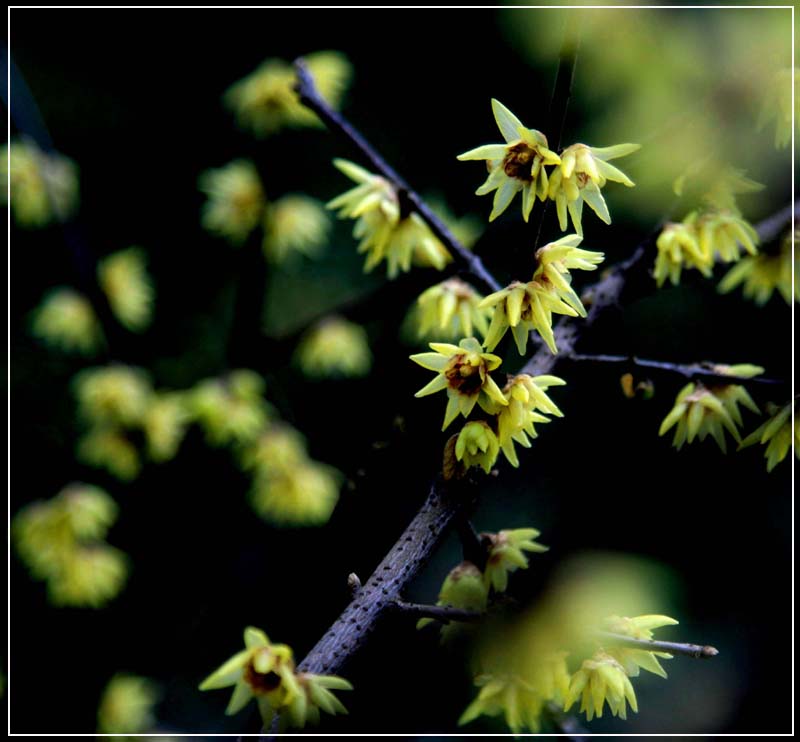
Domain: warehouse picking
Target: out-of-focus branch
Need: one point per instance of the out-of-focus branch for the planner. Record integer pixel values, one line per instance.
(444, 614)
(310, 97)
(698, 651)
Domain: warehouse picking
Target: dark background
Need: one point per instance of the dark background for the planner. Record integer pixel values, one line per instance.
(134, 98)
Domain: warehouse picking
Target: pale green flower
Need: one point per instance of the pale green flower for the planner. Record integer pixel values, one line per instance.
(463, 371)
(579, 178)
(127, 704)
(334, 347)
(65, 320)
(164, 425)
(463, 588)
(88, 576)
(236, 200)
(517, 165)
(276, 449)
(477, 445)
(722, 234)
(639, 627)
(715, 183)
(554, 262)
(506, 554)
(778, 105)
(679, 246)
(113, 395)
(601, 680)
(760, 275)
(295, 224)
(776, 434)
(109, 449)
(450, 310)
(124, 279)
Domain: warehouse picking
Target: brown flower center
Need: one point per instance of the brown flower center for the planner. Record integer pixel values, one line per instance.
(261, 682)
(462, 376)
(518, 162)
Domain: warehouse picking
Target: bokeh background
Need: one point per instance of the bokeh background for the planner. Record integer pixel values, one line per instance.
(134, 97)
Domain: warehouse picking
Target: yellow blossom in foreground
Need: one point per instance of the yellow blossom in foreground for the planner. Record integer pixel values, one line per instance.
(43, 185)
(236, 200)
(477, 445)
(126, 706)
(109, 449)
(463, 588)
(601, 680)
(266, 672)
(451, 310)
(463, 371)
(778, 105)
(334, 347)
(517, 165)
(265, 100)
(583, 172)
(65, 320)
(554, 262)
(113, 395)
(639, 627)
(127, 285)
(164, 425)
(700, 411)
(506, 554)
(295, 224)
(776, 434)
(760, 275)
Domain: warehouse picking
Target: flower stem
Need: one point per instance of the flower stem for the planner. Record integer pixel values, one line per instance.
(698, 651)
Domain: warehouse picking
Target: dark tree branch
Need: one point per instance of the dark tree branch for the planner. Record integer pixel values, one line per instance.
(444, 614)
(697, 651)
(310, 97)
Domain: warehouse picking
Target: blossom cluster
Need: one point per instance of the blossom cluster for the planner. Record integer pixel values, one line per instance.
(266, 671)
(334, 347)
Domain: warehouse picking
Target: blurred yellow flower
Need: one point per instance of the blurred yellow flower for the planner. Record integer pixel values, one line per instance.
(721, 233)
(109, 449)
(334, 347)
(477, 445)
(776, 433)
(88, 576)
(678, 245)
(113, 395)
(127, 704)
(517, 165)
(451, 310)
(278, 447)
(65, 320)
(236, 200)
(43, 185)
(582, 174)
(463, 588)
(506, 554)
(715, 183)
(164, 424)
(295, 224)
(639, 627)
(601, 680)
(760, 275)
(462, 370)
(127, 285)
(265, 100)
(778, 105)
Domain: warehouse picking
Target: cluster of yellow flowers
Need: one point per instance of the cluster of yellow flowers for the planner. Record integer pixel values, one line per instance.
(266, 672)
(715, 232)
(702, 410)
(62, 542)
(334, 347)
(463, 371)
(579, 172)
(292, 225)
(66, 321)
(124, 279)
(43, 185)
(126, 706)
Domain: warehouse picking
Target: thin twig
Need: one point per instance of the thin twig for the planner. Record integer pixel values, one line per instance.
(697, 651)
(687, 370)
(444, 614)
(310, 97)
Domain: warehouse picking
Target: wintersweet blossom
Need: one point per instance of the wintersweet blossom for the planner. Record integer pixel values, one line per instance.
(334, 347)
(65, 320)
(778, 105)
(776, 434)
(477, 445)
(236, 200)
(638, 627)
(601, 680)
(506, 554)
(451, 310)
(295, 225)
(126, 706)
(762, 274)
(125, 281)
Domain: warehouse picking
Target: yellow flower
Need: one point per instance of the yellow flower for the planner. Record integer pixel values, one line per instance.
(44, 186)
(301, 495)
(109, 449)
(715, 183)
(266, 672)
(720, 233)
(761, 274)
(517, 165)
(700, 411)
(164, 425)
(506, 554)
(776, 434)
(88, 576)
(113, 395)
(294, 224)
(582, 174)
(477, 445)
(334, 347)
(129, 289)
(127, 705)
(556, 259)
(778, 105)
(678, 244)
(462, 588)
(278, 448)
(462, 370)
(65, 320)
(601, 680)
(449, 311)
(236, 200)
(265, 100)
(639, 627)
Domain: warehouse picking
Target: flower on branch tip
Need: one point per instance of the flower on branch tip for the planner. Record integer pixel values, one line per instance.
(124, 280)
(583, 172)
(778, 105)
(265, 101)
(293, 225)
(126, 706)
(776, 434)
(463, 588)
(700, 411)
(517, 165)
(463, 371)
(760, 275)
(601, 680)
(506, 554)
(451, 310)
(236, 200)
(477, 445)
(334, 347)
(66, 320)
(639, 627)
(266, 672)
